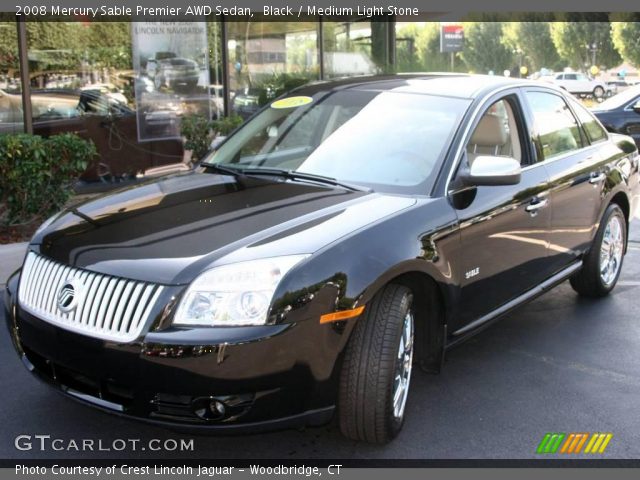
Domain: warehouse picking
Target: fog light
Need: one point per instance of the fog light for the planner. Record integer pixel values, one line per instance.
(217, 408)
(210, 408)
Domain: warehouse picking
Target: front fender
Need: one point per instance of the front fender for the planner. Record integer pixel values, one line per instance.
(423, 238)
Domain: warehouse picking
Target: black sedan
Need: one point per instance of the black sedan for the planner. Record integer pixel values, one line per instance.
(621, 113)
(346, 233)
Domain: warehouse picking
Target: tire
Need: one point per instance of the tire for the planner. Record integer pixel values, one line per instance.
(373, 362)
(598, 92)
(609, 245)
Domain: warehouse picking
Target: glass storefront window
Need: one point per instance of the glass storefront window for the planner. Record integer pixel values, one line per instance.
(349, 48)
(126, 87)
(11, 115)
(267, 59)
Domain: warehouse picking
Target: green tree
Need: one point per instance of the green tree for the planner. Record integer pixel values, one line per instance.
(626, 39)
(418, 49)
(533, 39)
(8, 46)
(108, 44)
(483, 48)
(574, 41)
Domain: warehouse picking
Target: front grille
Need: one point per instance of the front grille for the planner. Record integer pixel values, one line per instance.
(96, 305)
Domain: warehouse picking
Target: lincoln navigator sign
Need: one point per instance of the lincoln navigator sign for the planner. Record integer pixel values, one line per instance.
(172, 75)
(451, 38)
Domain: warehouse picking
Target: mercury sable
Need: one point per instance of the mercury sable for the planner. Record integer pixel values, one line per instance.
(347, 232)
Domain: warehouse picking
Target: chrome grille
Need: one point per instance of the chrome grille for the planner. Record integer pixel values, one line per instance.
(104, 306)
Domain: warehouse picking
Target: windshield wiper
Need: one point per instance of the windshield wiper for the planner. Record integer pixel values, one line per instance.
(234, 172)
(293, 175)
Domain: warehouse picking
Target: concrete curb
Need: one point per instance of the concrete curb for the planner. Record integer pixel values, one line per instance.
(11, 257)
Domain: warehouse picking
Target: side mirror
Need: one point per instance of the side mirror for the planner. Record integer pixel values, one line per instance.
(492, 170)
(636, 107)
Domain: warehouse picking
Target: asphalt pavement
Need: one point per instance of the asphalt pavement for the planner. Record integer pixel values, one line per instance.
(558, 364)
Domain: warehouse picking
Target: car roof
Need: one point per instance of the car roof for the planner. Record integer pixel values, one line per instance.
(443, 84)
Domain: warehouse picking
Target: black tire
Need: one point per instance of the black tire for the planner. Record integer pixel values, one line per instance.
(589, 282)
(365, 403)
(598, 92)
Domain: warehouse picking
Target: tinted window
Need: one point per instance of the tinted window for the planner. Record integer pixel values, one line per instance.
(570, 76)
(557, 129)
(594, 130)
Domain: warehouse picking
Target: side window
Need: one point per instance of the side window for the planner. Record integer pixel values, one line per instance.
(496, 134)
(557, 129)
(570, 76)
(595, 131)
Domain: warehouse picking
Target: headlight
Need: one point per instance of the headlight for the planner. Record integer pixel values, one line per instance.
(236, 294)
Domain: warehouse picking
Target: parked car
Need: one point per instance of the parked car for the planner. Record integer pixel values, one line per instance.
(345, 233)
(101, 118)
(621, 113)
(168, 70)
(579, 84)
(108, 90)
(246, 101)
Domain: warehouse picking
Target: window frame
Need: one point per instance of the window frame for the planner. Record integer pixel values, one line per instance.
(582, 125)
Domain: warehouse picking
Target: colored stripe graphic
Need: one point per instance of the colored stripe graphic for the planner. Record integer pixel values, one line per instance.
(552, 442)
(574, 443)
(598, 443)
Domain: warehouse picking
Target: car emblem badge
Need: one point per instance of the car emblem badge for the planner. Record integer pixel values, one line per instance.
(68, 296)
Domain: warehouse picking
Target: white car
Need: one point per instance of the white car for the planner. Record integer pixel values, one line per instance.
(580, 84)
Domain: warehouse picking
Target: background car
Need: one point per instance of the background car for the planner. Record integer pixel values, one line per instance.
(621, 113)
(579, 84)
(170, 71)
(101, 118)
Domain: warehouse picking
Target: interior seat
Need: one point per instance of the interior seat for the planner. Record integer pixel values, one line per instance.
(488, 138)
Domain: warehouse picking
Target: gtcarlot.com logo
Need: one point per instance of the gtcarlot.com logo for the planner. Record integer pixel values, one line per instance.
(574, 443)
(45, 443)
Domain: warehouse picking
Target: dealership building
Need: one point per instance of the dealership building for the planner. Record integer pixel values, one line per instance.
(127, 85)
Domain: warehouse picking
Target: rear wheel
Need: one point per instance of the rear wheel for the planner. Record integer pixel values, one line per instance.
(602, 265)
(376, 374)
(598, 92)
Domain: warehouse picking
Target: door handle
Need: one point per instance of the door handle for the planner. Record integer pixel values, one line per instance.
(536, 205)
(597, 178)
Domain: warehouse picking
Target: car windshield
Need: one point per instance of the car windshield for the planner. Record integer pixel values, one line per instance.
(620, 99)
(388, 141)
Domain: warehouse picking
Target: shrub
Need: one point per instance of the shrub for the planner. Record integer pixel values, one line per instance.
(37, 174)
(199, 132)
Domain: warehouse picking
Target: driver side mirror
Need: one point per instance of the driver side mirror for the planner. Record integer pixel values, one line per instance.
(636, 107)
(490, 170)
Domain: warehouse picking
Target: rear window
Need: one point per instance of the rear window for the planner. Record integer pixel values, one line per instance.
(595, 131)
(557, 129)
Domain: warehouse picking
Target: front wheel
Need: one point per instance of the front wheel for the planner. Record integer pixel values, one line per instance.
(602, 265)
(375, 377)
(598, 92)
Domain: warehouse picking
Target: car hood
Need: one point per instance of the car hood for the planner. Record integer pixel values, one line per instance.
(169, 230)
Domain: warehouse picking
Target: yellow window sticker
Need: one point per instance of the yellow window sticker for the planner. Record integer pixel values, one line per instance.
(291, 102)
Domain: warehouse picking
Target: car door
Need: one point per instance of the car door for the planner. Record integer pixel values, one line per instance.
(571, 83)
(630, 124)
(575, 174)
(503, 229)
(583, 84)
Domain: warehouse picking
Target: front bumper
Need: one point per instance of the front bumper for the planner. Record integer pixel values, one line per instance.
(264, 377)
